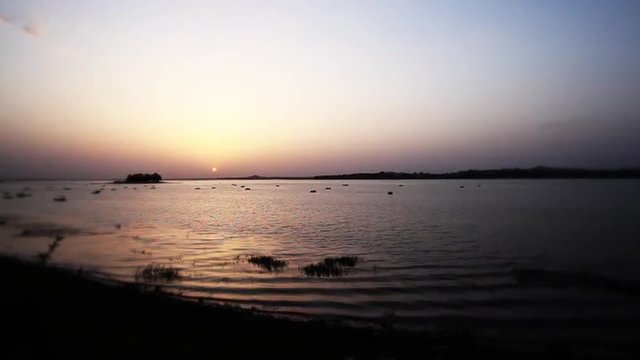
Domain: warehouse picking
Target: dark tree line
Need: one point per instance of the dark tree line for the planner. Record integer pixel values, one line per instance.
(540, 172)
(144, 178)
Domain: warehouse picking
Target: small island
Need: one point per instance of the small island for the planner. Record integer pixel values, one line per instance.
(140, 178)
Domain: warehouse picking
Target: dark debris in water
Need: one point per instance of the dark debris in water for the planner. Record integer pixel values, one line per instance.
(331, 266)
(158, 272)
(268, 263)
(47, 230)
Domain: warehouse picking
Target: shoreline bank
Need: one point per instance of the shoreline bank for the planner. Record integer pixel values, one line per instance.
(50, 311)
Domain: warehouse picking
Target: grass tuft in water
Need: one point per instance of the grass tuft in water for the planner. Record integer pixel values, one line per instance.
(157, 272)
(44, 257)
(331, 266)
(268, 263)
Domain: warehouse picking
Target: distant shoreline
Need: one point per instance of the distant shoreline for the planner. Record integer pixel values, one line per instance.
(539, 172)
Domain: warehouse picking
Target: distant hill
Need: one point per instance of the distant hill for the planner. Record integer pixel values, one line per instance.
(540, 172)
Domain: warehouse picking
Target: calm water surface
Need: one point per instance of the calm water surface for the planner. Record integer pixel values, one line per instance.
(495, 250)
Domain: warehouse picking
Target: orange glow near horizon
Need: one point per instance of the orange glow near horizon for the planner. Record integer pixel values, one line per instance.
(302, 89)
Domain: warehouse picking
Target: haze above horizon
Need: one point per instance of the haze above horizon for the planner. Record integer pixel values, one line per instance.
(97, 89)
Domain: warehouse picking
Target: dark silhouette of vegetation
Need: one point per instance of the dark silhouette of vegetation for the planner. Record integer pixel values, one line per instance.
(157, 272)
(140, 178)
(331, 266)
(539, 172)
(45, 256)
(268, 263)
(48, 230)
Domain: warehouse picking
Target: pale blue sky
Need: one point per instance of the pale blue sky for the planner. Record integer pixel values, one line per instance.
(102, 88)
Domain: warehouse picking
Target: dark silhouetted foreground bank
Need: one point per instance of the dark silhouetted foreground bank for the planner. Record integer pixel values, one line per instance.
(54, 313)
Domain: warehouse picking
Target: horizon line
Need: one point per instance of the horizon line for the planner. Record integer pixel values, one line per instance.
(336, 176)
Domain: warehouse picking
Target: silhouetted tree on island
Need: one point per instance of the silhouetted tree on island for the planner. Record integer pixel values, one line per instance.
(143, 178)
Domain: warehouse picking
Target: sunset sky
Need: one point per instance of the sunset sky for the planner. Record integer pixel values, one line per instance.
(99, 89)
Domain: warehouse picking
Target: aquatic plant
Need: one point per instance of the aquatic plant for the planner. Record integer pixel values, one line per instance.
(349, 261)
(331, 266)
(45, 256)
(268, 263)
(158, 272)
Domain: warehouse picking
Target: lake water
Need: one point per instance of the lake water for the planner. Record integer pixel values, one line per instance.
(549, 252)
